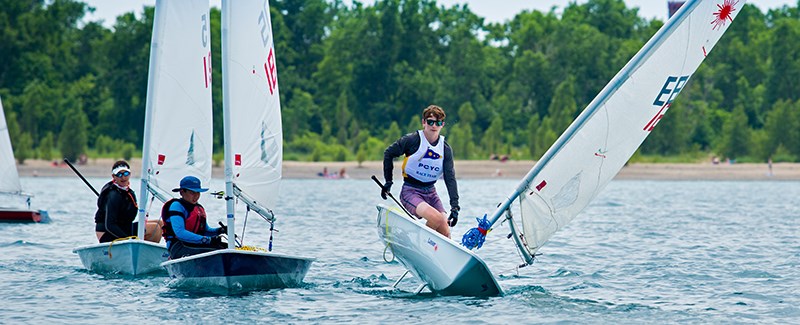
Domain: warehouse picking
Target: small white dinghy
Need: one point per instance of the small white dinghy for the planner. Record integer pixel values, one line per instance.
(253, 159)
(582, 161)
(447, 267)
(234, 270)
(177, 131)
(129, 257)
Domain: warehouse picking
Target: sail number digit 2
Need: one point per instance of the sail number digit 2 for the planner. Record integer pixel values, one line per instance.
(671, 88)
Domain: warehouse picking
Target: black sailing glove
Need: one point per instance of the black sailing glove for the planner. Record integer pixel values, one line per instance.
(223, 229)
(216, 241)
(386, 189)
(453, 219)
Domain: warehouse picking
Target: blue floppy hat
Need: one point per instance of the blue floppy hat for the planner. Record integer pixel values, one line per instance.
(190, 183)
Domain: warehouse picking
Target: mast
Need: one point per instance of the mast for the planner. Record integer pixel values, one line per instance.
(226, 120)
(158, 30)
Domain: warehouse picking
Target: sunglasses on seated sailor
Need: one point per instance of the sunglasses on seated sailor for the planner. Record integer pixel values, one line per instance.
(432, 122)
(123, 174)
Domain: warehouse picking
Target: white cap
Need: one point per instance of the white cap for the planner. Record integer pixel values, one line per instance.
(119, 169)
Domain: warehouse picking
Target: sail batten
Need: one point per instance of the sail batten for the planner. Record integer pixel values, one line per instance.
(593, 149)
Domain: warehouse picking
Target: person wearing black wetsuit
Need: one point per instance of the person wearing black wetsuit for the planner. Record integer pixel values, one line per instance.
(116, 206)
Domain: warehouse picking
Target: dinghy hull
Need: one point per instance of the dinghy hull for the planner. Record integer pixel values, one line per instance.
(129, 257)
(24, 216)
(446, 267)
(236, 271)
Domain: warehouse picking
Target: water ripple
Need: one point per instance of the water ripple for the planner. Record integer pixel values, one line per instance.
(644, 252)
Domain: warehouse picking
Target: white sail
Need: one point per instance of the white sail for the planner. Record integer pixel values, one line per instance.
(251, 101)
(177, 127)
(9, 177)
(251, 117)
(608, 132)
(178, 120)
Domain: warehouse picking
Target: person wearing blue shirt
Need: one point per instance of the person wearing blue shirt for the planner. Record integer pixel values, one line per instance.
(185, 227)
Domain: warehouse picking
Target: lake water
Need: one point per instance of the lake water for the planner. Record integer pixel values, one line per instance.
(643, 252)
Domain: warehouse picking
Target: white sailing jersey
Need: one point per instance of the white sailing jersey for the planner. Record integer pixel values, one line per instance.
(427, 163)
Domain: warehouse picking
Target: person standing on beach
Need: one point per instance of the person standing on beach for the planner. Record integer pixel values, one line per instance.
(769, 165)
(116, 208)
(185, 227)
(427, 158)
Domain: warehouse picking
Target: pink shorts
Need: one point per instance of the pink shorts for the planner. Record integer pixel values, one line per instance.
(411, 197)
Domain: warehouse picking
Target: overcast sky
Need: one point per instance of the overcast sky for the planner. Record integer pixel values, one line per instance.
(492, 10)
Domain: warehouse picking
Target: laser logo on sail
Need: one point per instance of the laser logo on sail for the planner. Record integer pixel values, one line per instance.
(724, 14)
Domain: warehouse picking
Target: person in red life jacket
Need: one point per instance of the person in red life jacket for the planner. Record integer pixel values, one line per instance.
(427, 158)
(185, 227)
(117, 208)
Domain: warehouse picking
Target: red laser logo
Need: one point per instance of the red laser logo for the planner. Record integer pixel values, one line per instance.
(724, 13)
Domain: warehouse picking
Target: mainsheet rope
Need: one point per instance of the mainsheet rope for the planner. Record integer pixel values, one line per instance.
(388, 242)
(116, 240)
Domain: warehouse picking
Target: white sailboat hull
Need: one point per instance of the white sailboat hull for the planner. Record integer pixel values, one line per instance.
(236, 271)
(130, 257)
(446, 267)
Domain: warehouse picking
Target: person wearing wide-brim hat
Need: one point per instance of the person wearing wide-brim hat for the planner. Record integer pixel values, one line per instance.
(185, 227)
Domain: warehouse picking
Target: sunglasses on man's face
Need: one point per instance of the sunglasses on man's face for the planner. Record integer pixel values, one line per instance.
(434, 122)
(123, 174)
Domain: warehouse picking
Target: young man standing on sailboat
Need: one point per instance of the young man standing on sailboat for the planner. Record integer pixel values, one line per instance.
(185, 227)
(428, 157)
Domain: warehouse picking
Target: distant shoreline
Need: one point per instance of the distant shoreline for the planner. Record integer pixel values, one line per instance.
(465, 169)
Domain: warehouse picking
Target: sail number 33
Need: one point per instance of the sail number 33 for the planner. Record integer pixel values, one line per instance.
(664, 99)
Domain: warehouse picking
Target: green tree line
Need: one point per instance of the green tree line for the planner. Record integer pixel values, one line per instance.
(354, 78)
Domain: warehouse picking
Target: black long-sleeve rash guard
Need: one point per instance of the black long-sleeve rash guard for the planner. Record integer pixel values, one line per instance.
(408, 145)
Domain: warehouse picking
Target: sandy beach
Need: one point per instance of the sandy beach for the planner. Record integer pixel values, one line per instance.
(466, 169)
